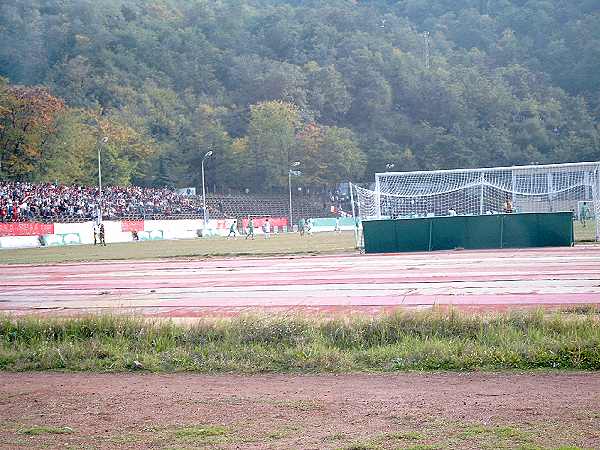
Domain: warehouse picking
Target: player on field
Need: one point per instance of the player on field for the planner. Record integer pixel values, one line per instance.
(232, 230)
(584, 213)
(267, 229)
(250, 233)
(301, 225)
(308, 227)
(337, 228)
(102, 235)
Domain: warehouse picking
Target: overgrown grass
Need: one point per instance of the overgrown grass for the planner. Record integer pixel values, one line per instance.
(433, 340)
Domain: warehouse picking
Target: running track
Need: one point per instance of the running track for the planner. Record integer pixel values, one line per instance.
(494, 279)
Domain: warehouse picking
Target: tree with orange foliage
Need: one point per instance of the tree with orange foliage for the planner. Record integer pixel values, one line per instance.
(27, 118)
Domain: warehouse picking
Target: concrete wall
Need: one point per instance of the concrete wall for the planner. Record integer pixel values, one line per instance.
(19, 242)
(328, 224)
(20, 236)
(23, 235)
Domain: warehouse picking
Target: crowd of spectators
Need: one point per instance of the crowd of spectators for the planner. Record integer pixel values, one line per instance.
(52, 202)
(21, 202)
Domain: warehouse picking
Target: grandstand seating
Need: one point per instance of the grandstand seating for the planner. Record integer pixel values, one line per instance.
(238, 206)
(22, 202)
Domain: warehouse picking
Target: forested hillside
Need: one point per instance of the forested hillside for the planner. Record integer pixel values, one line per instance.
(345, 87)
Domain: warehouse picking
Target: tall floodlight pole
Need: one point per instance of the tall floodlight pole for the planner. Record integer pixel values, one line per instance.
(104, 141)
(354, 221)
(426, 50)
(290, 173)
(206, 156)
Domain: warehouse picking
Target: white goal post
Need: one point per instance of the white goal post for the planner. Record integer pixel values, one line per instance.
(535, 188)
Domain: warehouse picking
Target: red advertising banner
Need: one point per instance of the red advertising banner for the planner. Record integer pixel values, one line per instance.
(132, 225)
(26, 229)
(259, 221)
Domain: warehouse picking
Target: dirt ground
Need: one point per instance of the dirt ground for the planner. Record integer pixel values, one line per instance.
(416, 411)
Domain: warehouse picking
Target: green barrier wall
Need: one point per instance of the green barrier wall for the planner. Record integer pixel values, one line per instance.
(154, 235)
(51, 240)
(469, 232)
(330, 222)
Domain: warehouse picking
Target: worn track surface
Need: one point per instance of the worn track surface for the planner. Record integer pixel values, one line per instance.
(495, 279)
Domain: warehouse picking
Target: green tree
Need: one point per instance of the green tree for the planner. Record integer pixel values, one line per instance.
(329, 155)
(327, 93)
(70, 153)
(272, 142)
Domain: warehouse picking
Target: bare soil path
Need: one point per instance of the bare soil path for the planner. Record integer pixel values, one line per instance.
(419, 411)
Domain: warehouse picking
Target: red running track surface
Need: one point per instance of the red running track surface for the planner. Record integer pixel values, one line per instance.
(491, 279)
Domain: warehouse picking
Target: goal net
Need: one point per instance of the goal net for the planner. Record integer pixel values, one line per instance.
(540, 188)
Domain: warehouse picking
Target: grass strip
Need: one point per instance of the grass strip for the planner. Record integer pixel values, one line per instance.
(281, 244)
(427, 340)
(37, 430)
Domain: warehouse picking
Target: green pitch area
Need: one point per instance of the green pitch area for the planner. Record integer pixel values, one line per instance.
(278, 244)
(585, 233)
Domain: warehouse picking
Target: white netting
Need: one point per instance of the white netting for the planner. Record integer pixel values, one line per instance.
(543, 188)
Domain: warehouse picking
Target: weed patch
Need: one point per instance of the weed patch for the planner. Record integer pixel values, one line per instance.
(38, 430)
(300, 405)
(427, 340)
(406, 436)
(362, 446)
(200, 431)
(424, 447)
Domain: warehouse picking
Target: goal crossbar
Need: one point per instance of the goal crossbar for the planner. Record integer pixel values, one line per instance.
(540, 167)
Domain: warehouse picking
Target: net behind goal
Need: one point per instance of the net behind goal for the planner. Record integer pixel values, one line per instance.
(540, 188)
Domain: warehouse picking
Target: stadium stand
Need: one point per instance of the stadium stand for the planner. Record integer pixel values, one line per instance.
(236, 206)
(48, 202)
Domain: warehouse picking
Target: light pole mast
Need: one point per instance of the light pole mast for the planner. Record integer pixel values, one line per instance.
(426, 52)
(104, 141)
(290, 173)
(207, 155)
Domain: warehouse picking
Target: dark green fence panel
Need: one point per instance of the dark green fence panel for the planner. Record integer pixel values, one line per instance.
(483, 232)
(469, 232)
(448, 233)
(380, 236)
(556, 229)
(412, 235)
(521, 231)
(538, 230)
